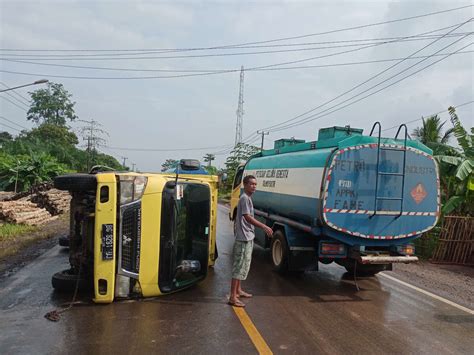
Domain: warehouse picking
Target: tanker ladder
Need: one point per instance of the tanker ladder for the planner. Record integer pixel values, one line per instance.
(384, 173)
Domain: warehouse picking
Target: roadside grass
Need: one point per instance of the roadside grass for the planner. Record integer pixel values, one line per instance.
(9, 230)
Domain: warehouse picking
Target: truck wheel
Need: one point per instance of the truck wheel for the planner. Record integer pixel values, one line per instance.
(66, 280)
(63, 241)
(280, 252)
(76, 182)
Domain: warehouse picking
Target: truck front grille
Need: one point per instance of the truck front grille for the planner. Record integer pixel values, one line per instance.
(130, 237)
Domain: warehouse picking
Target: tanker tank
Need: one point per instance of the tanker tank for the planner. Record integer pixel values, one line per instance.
(361, 192)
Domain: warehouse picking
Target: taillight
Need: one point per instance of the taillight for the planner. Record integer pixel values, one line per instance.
(332, 249)
(408, 249)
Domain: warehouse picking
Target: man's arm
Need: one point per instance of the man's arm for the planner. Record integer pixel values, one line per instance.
(253, 221)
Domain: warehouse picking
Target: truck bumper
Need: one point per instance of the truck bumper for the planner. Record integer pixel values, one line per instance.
(382, 259)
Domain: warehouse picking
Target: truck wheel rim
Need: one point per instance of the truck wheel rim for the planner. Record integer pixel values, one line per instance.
(277, 252)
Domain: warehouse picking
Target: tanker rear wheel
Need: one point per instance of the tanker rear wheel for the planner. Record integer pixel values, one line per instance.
(280, 252)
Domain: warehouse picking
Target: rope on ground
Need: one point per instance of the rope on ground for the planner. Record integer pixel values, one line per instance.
(55, 315)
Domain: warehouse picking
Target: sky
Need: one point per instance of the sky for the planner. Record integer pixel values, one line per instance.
(162, 90)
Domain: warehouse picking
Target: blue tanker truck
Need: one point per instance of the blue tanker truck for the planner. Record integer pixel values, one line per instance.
(349, 198)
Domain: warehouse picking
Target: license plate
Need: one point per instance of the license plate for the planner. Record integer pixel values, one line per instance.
(107, 242)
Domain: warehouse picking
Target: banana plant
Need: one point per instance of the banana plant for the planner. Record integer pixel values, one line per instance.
(458, 171)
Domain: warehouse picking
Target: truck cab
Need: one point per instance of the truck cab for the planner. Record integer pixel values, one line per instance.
(139, 235)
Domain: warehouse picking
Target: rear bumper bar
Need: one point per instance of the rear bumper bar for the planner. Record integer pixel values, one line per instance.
(382, 259)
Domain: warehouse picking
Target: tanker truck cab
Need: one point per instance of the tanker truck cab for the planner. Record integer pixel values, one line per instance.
(139, 235)
(357, 200)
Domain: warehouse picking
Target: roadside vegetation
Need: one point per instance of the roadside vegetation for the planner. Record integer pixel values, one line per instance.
(49, 149)
(456, 168)
(9, 230)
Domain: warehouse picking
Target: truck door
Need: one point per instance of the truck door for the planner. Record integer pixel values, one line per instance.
(235, 194)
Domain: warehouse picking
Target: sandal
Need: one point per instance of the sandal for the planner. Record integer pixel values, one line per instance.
(236, 303)
(245, 295)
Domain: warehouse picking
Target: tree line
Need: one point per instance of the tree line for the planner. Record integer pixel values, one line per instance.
(50, 148)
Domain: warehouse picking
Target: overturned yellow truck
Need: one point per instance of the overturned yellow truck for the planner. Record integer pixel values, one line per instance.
(139, 235)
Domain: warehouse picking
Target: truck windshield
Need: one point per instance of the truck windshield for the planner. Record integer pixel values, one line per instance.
(184, 242)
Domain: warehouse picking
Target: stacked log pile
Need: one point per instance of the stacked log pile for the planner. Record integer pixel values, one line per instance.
(24, 212)
(54, 200)
(39, 205)
(4, 195)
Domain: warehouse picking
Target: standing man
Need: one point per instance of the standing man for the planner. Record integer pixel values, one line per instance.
(244, 229)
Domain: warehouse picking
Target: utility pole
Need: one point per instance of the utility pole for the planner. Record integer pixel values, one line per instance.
(92, 134)
(124, 159)
(263, 133)
(240, 110)
(133, 166)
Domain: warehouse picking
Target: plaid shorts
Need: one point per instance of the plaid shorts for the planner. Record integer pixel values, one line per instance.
(242, 257)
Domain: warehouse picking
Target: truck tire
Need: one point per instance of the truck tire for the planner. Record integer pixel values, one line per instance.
(63, 241)
(280, 252)
(76, 182)
(66, 280)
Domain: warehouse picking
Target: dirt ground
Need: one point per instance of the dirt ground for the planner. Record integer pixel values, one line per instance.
(453, 282)
(17, 251)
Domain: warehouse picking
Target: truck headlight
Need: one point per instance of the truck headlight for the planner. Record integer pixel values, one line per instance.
(132, 188)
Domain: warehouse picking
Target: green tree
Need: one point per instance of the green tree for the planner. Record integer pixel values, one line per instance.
(23, 171)
(241, 153)
(51, 133)
(431, 134)
(51, 105)
(169, 164)
(457, 171)
(5, 137)
(211, 170)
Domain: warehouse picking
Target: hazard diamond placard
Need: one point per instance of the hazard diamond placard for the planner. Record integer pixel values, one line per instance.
(418, 193)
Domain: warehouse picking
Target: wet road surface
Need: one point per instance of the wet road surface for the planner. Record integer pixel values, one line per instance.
(318, 312)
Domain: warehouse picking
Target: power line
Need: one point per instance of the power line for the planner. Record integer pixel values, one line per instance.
(157, 50)
(227, 70)
(293, 37)
(214, 73)
(6, 119)
(317, 116)
(5, 125)
(164, 149)
(430, 115)
(272, 128)
(13, 103)
(26, 101)
(16, 99)
(118, 56)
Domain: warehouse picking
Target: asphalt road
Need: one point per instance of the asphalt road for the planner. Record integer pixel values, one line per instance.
(318, 312)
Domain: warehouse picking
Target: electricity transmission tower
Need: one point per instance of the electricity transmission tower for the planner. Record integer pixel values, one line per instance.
(92, 134)
(240, 110)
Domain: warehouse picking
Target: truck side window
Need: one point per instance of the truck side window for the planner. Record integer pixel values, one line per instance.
(238, 177)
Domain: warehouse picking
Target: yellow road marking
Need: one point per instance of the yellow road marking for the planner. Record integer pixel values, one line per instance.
(439, 298)
(257, 339)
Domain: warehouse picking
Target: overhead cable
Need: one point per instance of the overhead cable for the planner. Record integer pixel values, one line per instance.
(319, 115)
(430, 115)
(324, 32)
(6, 119)
(211, 73)
(273, 127)
(118, 56)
